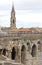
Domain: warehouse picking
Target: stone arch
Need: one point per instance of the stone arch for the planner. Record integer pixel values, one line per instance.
(39, 45)
(23, 53)
(13, 54)
(4, 51)
(34, 51)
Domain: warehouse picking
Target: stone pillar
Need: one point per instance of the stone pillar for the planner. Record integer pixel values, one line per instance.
(28, 60)
(18, 55)
(9, 54)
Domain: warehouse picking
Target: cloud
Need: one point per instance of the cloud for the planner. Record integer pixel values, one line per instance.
(27, 19)
(28, 4)
(22, 4)
(33, 17)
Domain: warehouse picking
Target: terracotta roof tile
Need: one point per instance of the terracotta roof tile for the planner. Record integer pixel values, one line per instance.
(21, 30)
(24, 30)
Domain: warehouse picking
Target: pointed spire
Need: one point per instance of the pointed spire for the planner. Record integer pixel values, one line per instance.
(13, 18)
(12, 6)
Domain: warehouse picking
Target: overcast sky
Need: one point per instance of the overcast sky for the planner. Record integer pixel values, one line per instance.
(28, 13)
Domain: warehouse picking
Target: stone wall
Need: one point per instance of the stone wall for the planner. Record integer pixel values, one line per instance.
(25, 46)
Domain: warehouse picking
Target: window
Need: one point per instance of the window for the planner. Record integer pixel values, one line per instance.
(13, 21)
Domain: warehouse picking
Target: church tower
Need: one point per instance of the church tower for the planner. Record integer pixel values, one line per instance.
(13, 18)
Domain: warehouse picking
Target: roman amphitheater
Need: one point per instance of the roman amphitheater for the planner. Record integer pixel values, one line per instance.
(20, 46)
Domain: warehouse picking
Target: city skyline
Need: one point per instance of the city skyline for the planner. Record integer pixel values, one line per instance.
(28, 13)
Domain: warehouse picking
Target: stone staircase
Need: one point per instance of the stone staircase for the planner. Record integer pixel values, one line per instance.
(39, 58)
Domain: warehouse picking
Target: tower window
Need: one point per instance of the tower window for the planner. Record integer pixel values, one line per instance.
(13, 21)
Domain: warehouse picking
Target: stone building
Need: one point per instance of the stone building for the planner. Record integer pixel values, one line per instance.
(19, 44)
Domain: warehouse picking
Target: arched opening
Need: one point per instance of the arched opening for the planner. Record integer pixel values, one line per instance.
(34, 51)
(23, 53)
(39, 45)
(4, 52)
(13, 21)
(13, 54)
